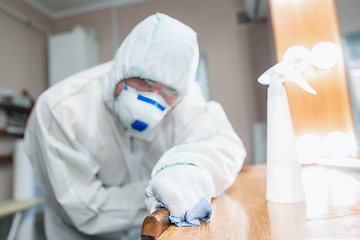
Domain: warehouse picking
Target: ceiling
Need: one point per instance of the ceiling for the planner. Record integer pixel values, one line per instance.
(57, 9)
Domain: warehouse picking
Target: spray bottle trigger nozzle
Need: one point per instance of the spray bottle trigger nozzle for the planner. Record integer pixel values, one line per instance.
(299, 79)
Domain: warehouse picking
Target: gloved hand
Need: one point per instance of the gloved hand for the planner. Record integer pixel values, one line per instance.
(180, 188)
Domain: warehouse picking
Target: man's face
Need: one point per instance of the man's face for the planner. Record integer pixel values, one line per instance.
(143, 85)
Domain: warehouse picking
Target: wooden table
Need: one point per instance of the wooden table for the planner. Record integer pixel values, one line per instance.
(331, 209)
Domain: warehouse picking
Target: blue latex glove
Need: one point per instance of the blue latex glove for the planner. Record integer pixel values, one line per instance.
(201, 211)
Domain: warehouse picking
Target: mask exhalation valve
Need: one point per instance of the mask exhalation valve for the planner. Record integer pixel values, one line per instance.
(139, 126)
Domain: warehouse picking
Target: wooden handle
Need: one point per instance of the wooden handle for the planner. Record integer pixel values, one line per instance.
(155, 224)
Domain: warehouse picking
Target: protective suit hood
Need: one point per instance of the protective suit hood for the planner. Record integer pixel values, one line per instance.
(159, 48)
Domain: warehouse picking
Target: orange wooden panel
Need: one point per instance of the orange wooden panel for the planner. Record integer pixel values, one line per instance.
(307, 23)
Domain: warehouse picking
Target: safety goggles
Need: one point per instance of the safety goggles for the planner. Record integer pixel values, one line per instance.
(171, 96)
(150, 86)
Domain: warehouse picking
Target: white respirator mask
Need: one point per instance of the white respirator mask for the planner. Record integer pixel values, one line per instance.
(140, 112)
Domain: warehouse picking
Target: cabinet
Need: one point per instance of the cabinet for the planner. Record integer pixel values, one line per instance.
(17, 122)
(14, 112)
(72, 52)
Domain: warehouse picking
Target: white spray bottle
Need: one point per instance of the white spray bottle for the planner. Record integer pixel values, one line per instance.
(284, 181)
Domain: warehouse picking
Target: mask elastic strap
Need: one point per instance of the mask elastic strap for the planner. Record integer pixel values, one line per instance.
(125, 88)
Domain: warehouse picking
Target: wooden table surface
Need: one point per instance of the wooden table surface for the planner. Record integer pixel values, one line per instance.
(331, 209)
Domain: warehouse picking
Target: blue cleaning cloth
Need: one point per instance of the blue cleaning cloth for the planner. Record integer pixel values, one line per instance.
(201, 211)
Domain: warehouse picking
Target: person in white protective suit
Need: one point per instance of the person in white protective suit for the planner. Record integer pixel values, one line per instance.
(110, 142)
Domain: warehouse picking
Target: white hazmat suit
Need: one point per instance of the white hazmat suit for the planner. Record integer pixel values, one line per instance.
(95, 173)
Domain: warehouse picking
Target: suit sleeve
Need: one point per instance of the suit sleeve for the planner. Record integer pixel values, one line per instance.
(205, 138)
(68, 171)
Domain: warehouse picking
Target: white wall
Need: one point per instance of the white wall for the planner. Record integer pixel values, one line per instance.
(100, 21)
(23, 65)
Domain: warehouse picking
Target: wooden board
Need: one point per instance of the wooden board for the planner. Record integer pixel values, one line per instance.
(13, 206)
(155, 224)
(5, 158)
(307, 23)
